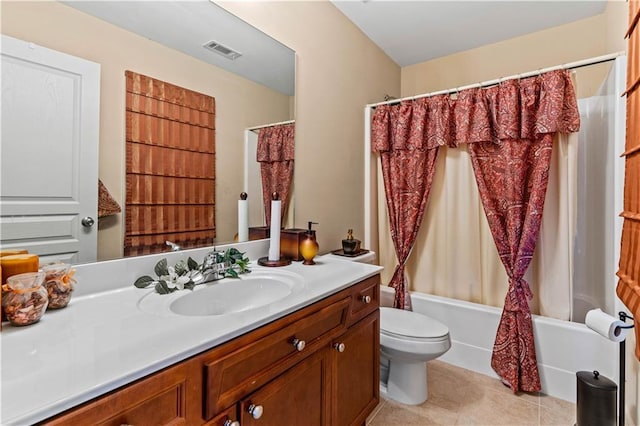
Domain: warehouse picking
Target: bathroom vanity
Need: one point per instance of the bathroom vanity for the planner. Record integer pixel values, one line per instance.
(311, 358)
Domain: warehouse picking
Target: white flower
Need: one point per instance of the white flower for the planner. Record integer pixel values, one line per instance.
(174, 280)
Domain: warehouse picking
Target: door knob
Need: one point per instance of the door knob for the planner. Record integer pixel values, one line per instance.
(87, 221)
(366, 299)
(340, 347)
(230, 422)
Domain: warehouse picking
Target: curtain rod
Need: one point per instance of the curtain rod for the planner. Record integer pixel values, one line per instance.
(271, 125)
(570, 65)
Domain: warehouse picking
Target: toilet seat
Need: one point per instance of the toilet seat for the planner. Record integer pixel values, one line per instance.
(411, 325)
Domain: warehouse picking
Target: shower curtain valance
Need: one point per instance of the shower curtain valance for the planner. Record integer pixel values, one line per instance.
(276, 143)
(514, 109)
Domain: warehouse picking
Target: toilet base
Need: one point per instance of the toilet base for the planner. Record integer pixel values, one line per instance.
(407, 383)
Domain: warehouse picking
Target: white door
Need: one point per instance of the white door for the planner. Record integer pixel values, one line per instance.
(49, 152)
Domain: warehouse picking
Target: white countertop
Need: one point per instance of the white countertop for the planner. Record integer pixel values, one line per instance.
(102, 341)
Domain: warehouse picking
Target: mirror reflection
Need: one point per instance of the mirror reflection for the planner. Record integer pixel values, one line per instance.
(123, 36)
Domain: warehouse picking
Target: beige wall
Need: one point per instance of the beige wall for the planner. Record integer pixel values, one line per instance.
(339, 71)
(240, 103)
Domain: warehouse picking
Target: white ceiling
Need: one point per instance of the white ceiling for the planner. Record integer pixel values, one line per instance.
(187, 25)
(411, 32)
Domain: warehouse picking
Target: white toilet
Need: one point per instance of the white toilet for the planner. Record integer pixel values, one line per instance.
(407, 341)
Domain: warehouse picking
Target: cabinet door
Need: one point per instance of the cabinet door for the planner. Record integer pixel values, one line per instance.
(298, 397)
(356, 372)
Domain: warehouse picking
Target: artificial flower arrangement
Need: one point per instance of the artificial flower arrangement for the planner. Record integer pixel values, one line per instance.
(187, 274)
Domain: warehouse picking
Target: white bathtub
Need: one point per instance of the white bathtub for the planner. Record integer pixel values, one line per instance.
(562, 347)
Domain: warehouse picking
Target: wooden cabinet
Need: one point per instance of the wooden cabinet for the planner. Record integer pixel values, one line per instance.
(316, 366)
(356, 370)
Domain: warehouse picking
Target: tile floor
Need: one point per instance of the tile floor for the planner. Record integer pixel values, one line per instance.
(462, 397)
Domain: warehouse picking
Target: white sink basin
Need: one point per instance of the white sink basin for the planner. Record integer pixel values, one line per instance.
(227, 296)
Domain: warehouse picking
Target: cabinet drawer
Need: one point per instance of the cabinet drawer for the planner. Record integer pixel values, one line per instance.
(365, 298)
(157, 400)
(237, 373)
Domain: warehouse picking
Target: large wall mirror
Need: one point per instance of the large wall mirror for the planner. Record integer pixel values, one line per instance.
(165, 40)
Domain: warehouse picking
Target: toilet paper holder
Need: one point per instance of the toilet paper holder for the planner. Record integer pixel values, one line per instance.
(623, 317)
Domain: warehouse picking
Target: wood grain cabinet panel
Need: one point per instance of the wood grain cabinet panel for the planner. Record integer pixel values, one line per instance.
(160, 399)
(230, 377)
(297, 397)
(356, 372)
(225, 418)
(365, 298)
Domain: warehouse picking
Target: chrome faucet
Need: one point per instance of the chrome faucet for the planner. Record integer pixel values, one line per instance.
(174, 246)
(214, 266)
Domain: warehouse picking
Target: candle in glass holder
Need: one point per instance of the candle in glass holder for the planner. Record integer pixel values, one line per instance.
(11, 252)
(18, 264)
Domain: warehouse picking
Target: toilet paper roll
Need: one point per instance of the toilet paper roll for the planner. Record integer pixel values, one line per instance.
(606, 325)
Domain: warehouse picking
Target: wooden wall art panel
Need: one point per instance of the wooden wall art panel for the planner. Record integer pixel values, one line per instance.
(170, 166)
(629, 268)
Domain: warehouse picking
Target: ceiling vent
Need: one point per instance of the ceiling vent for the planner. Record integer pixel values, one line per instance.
(223, 50)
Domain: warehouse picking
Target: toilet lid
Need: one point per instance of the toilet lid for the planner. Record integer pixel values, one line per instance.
(410, 324)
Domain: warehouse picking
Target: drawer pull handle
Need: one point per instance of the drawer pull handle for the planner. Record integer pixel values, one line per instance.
(339, 347)
(255, 411)
(230, 422)
(366, 299)
(298, 344)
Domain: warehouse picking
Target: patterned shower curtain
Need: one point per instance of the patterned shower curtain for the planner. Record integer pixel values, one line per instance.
(408, 164)
(509, 128)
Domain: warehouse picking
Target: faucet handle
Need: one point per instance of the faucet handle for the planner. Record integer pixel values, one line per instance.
(174, 246)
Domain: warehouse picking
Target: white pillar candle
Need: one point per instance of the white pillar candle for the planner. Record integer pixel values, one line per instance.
(243, 218)
(274, 244)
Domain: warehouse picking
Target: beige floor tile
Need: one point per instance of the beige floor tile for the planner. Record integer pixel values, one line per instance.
(496, 385)
(462, 397)
(394, 413)
(491, 407)
(446, 386)
(556, 404)
(375, 412)
(549, 417)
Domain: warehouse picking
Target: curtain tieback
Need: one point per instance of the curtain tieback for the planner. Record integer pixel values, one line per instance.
(398, 274)
(518, 295)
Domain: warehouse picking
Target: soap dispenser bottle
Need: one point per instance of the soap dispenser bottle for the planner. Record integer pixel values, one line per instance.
(350, 245)
(309, 246)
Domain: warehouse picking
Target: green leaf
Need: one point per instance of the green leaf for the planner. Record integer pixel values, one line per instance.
(163, 288)
(192, 264)
(161, 268)
(181, 268)
(230, 272)
(143, 282)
